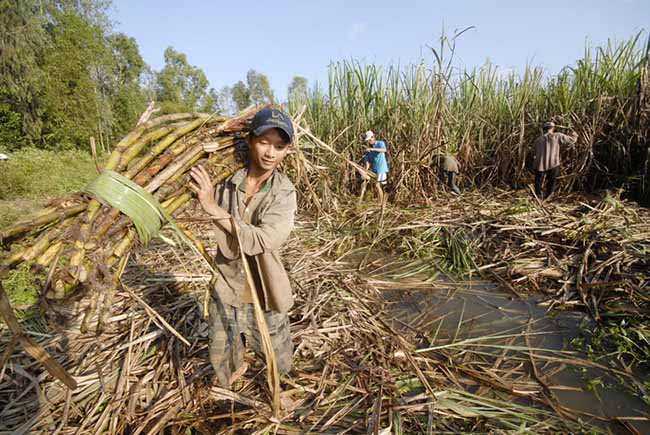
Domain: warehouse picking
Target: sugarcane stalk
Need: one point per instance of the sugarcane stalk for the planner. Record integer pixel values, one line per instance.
(39, 247)
(108, 219)
(79, 250)
(173, 168)
(89, 312)
(182, 170)
(30, 252)
(76, 258)
(30, 346)
(136, 133)
(162, 161)
(237, 122)
(101, 293)
(105, 224)
(50, 254)
(162, 146)
(180, 146)
(122, 247)
(173, 204)
(52, 215)
(109, 295)
(272, 374)
(150, 137)
(109, 227)
(175, 185)
(44, 251)
(219, 145)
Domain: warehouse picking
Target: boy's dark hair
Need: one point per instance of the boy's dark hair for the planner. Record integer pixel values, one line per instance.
(549, 125)
(282, 133)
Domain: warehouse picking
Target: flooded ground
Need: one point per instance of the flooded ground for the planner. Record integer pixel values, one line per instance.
(479, 319)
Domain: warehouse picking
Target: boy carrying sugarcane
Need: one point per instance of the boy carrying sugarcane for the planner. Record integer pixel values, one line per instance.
(254, 214)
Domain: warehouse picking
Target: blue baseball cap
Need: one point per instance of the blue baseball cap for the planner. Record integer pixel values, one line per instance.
(272, 118)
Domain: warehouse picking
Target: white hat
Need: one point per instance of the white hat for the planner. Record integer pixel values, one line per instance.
(4, 157)
(368, 135)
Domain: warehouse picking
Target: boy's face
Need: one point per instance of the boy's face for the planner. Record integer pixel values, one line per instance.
(372, 141)
(267, 150)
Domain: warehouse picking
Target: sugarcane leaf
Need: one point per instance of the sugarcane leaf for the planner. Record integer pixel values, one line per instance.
(145, 211)
(167, 240)
(118, 191)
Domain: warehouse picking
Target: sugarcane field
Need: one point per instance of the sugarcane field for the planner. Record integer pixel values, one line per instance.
(398, 243)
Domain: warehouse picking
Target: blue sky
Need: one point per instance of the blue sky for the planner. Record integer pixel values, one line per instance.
(287, 38)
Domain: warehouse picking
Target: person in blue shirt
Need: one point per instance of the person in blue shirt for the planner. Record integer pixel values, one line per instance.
(375, 159)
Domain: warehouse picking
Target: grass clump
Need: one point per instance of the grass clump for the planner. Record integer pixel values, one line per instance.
(37, 174)
(22, 286)
(447, 250)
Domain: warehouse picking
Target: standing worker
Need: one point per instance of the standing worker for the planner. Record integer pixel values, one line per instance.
(547, 157)
(254, 206)
(375, 158)
(448, 172)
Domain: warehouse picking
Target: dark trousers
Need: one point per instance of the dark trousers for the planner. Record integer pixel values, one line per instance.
(449, 178)
(229, 326)
(551, 181)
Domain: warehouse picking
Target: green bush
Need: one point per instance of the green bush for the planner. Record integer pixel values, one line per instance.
(37, 174)
(10, 128)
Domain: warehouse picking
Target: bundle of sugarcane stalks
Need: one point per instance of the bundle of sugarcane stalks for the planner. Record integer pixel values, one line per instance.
(81, 245)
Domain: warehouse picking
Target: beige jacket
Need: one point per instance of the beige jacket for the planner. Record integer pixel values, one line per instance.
(450, 164)
(547, 150)
(271, 221)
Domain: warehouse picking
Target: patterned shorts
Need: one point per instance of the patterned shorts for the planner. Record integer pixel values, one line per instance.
(232, 327)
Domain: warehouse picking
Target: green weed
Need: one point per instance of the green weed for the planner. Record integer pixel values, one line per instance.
(22, 286)
(36, 174)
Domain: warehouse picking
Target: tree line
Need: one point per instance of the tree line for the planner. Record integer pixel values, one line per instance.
(66, 75)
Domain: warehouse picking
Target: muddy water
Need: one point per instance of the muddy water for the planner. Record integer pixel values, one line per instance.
(450, 312)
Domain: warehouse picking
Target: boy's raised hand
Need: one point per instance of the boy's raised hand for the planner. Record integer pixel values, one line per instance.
(204, 190)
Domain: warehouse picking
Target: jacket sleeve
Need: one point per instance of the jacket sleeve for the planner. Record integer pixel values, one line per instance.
(274, 228)
(566, 139)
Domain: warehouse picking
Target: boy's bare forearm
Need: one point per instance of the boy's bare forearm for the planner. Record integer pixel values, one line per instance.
(222, 218)
(225, 224)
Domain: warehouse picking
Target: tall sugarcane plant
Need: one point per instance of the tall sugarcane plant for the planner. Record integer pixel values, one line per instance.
(489, 117)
